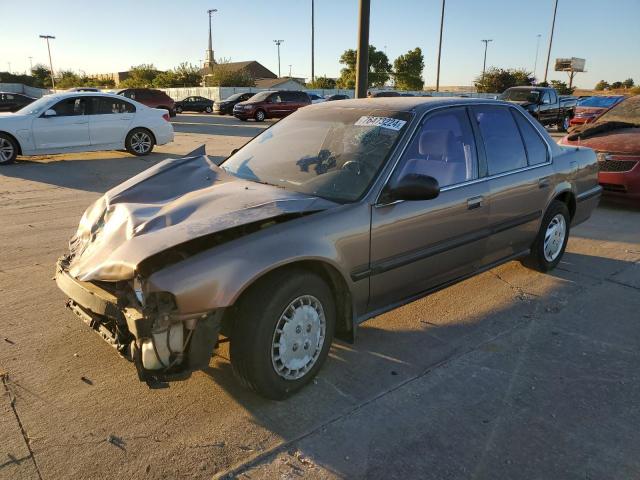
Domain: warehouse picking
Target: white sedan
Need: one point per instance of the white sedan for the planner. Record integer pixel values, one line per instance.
(82, 122)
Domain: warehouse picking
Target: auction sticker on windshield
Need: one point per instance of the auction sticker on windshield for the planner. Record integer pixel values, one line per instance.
(384, 122)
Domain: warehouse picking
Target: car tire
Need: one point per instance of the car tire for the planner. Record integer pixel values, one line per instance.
(208, 109)
(139, 142)
(563, 126)
(178, 109)
(261, 326)
(552, 238)
(8, 149)
(260, 115)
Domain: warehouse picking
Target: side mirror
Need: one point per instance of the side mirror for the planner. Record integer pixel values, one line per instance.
(414, 186)
(50, 113)
(233, 152)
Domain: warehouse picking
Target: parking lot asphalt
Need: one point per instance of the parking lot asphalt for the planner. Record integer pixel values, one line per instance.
(510, 374)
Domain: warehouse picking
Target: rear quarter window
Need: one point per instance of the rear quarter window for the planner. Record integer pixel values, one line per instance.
(536, 147)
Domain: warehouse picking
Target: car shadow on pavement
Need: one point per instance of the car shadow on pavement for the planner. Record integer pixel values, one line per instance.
(95, 174)
(527, 366)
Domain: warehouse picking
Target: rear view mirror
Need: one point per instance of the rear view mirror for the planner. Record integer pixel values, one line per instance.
(50, 113)
(414, 186)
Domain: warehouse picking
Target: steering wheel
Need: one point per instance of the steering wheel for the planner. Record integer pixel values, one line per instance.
(354, 166)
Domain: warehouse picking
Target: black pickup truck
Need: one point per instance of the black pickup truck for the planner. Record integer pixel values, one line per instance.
(544, 104)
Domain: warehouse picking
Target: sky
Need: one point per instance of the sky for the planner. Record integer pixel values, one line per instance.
(122, 33)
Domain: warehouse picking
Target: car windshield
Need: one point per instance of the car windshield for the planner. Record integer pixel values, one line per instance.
(601, 102)
(259, 97)
(627, 111)
(331, 153)
(520, 95)
(233, 97)
(35, 107)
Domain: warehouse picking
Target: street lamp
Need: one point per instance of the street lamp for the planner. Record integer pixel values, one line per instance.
(47, 38)
(553, 26)
(30, 65)
(210, 58)
(535, 63)
(440, 48)
(278, 42)
(362, 59)
(484, 64)
(313, 76)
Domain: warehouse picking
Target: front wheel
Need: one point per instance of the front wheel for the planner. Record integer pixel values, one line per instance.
(260, 116)
(139, 142)
(8, 149)
(281, 338)
(549, 245)
(563, 126)
(178, 109)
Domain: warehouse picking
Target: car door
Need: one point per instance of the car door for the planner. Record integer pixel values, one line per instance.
(109, 120)
(275, 105)
(545, 108)
(519, 178)
(419, 245)
(68, 128)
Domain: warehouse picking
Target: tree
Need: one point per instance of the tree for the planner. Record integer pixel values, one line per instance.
(323, 83)
(628, 83)
(408, 70)
(379, 68)
(616, 85)
(41, 75)
(602, 85)
(140, 76)
(67, 79)
(222, 76)
(562, 87)
(497, 80)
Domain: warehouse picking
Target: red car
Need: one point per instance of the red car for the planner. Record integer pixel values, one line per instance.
(615, 136)
(151, 98)
(270, 104)
(589, 109)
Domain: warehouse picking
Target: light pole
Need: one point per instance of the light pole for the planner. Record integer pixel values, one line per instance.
(210, 59)
(535, 63)
(362, 62)
(553, 26)
(9, 64)
(313, 76)
(47, 38)
(278, 42)
(30, 64)
(440, 48)
(484, 64)
(289, 71)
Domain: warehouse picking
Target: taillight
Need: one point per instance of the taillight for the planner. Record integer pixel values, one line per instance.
(165, 116)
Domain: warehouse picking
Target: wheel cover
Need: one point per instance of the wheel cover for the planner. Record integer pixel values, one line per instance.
(260, 115)
(141, 142)
(6, 150)
(298, 337)
(554, 237)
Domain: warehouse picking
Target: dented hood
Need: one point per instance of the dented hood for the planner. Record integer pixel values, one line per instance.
(166, 205)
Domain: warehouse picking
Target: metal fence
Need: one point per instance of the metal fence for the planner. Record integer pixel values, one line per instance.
(21, 88)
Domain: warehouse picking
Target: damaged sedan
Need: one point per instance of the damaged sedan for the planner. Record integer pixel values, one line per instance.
(336, 214)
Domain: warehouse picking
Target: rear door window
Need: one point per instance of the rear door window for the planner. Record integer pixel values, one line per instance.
(108, 105)
(501, 137)
(536, 147)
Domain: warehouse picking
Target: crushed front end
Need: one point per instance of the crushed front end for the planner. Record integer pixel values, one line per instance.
(162, 343)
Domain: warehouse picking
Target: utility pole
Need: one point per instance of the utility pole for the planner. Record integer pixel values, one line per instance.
(484, 64)
(47, 38)
(30, 64)
(440, 48)
(553, 26)
(289, 71)
(9, 64)
(362, 62)
(535, 63)
(210, 59)
(313, 75)
(278, 42)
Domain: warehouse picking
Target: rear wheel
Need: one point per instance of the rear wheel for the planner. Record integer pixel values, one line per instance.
(8, 149)
(178, 109)
(281, 338)
(549, 245)
(139, 142)
(260, 116)
(208, 109)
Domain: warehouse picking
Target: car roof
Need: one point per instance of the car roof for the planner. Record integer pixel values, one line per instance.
(62, 95)
(407, 104)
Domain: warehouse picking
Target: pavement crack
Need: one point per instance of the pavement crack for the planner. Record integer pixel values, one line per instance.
(521, 294)
(25, 436)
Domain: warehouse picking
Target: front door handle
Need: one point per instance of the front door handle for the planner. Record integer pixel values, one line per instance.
(544, 183)
(474, 202)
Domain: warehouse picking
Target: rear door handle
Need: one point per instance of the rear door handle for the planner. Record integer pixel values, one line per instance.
(544, 183)
(474, 202)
